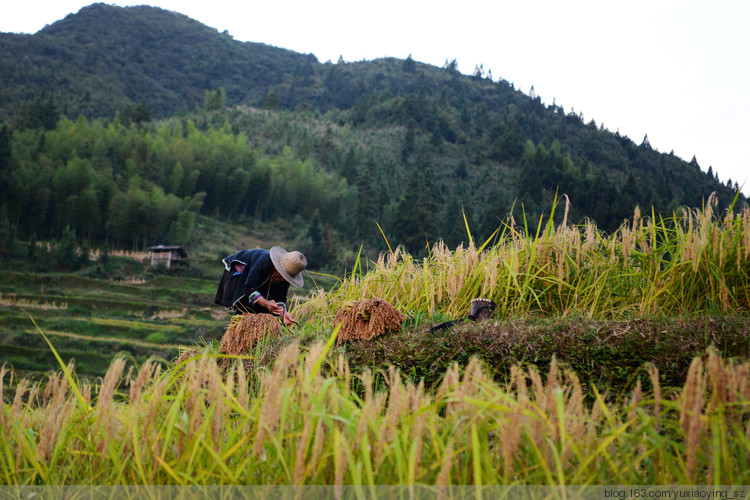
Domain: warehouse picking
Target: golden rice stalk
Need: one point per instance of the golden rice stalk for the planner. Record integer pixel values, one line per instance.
(746, 230)
(57, 415)
(244, 330)
(302, 445)
(187, 354)
(366, 319)
(575, 408)
(446, 464)
(691, 407)
(272, 386)
(4, 421)
(144, 375)
(653, 374)
(105, 406)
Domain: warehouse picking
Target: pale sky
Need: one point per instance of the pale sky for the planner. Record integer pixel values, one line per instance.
(675, 70)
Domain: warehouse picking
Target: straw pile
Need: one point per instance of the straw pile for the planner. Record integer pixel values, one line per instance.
(246, 329)
(366, 319)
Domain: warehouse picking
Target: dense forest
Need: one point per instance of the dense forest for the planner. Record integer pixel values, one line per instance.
(121, 125)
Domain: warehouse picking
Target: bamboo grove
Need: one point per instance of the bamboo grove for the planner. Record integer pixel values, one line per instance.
(134, 186)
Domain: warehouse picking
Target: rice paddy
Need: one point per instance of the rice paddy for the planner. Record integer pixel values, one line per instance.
(693, 263)
(307, 420)
(309, 416)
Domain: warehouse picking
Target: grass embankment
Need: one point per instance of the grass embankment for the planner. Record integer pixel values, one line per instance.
(609, 354)
(609, 318)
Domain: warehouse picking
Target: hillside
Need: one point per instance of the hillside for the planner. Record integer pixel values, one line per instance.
(408, 144)
(104, 58)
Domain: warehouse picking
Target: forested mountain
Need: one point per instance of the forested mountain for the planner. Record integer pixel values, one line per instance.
(105, 58)
(123, 124)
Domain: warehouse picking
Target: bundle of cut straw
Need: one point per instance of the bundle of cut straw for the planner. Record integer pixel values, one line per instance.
(366, 319)
(246, 329)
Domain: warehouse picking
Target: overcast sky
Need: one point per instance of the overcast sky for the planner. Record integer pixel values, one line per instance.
(675, 70)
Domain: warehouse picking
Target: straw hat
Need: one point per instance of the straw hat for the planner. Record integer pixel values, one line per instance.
(289, 264)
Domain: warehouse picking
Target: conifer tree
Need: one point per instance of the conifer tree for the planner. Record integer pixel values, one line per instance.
(416, 221)
(409, 65)
(65, 256)
(368, 209)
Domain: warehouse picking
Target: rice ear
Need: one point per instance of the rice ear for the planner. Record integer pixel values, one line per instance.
(245, 330)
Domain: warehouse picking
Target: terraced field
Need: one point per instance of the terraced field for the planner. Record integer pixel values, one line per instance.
(90, 321)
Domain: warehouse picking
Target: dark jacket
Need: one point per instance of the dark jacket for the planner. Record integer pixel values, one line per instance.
(236, 290)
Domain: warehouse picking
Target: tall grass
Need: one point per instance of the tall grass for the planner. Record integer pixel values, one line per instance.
(308, 420)
(694, 262)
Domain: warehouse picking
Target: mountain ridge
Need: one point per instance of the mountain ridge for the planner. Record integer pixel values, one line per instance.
(163, 56)
(453, 140)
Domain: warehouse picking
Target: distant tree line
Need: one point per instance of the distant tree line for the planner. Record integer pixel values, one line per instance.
(421, 161)
(138, 186)
(231, 130)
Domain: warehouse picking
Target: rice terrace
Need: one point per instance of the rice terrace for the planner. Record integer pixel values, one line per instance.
(609, 359)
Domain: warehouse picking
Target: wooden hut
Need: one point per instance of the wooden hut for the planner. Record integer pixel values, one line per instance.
(168, 256)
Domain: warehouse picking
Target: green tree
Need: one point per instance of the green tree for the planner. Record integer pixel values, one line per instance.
(327, 147)
(409, 140)
(36, 216)
(416, 219)
(103, 260)
(312, 244)
(175, 179)
(604, 196)
(529, 182)
(83, 256)
(451, 66)
(42, 113)
(627, 198)
(260, 189)
(461, 171)
(7, 235)
(368, 208)
(239, 181)
(6, 151)
(88, 214)
(271, 101)
(409, 66)
(215, 100)
(182, 229)
(65, 255)
(512, 141)
(454, 224)
(138, 114)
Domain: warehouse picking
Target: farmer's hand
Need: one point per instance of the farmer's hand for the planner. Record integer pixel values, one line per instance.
(287, 318)
(274, 307)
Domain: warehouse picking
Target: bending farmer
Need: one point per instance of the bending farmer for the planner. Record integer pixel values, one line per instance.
(257, 281)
